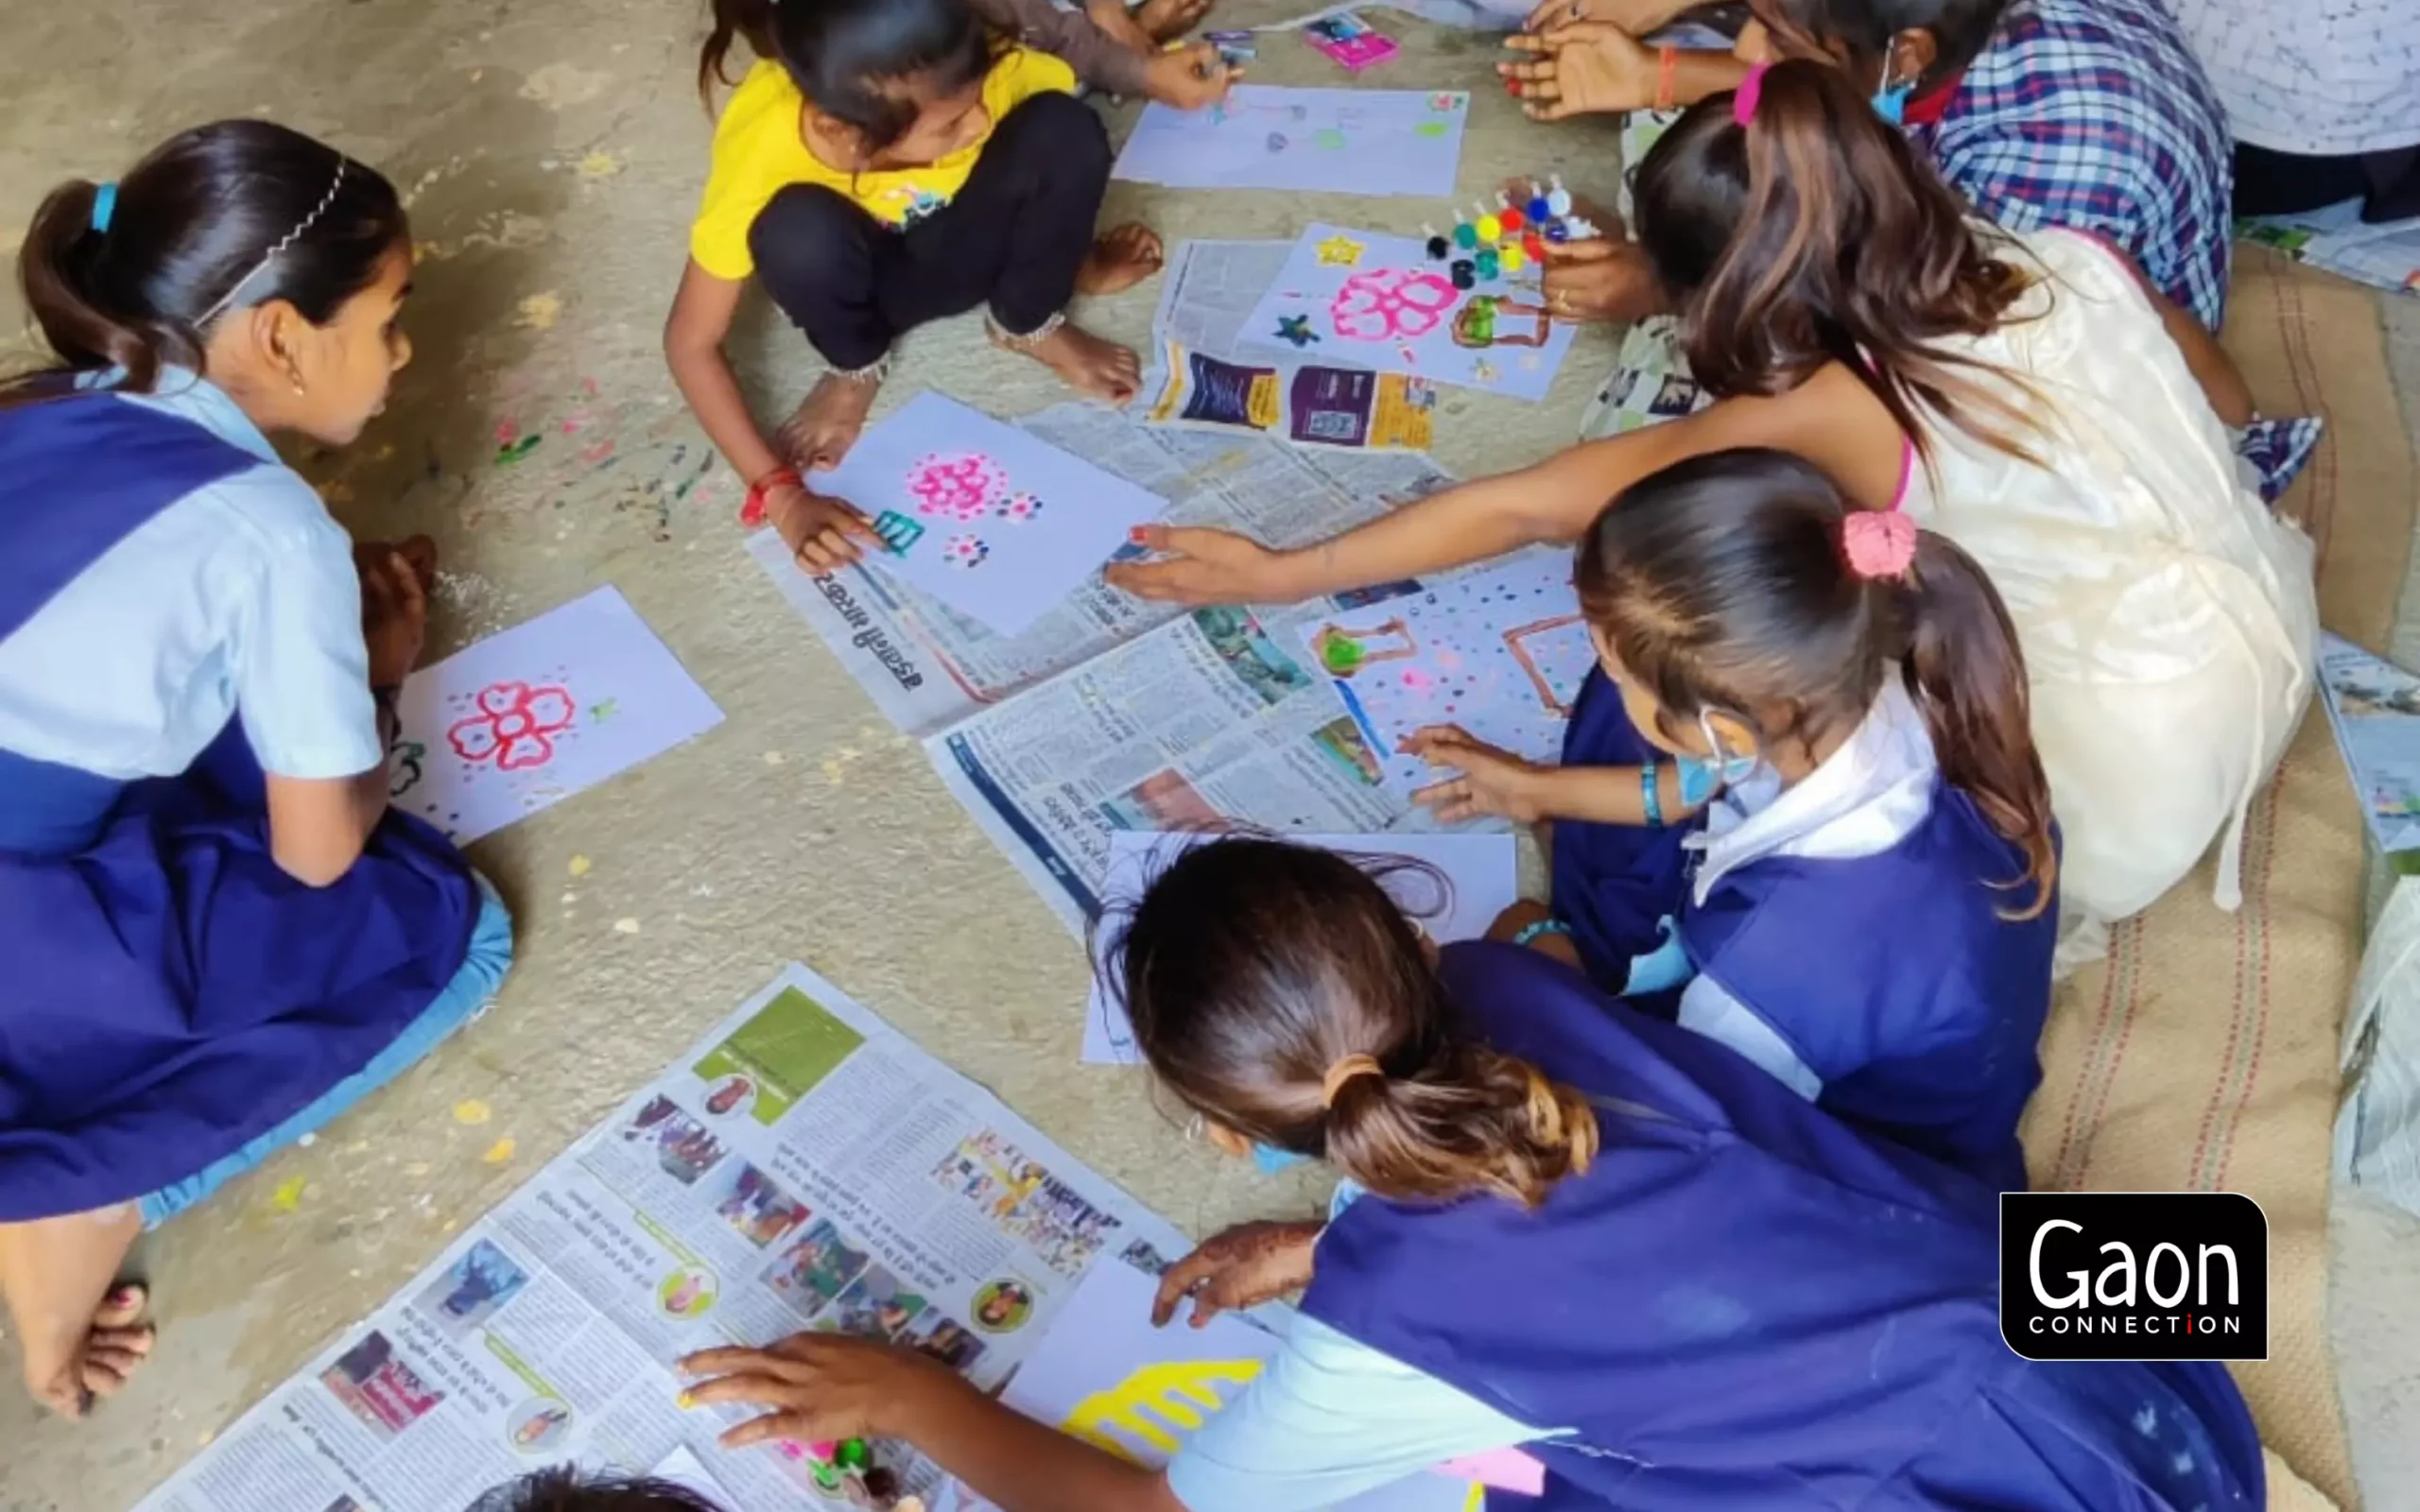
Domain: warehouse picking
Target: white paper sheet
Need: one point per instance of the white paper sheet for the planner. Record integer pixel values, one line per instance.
(1501, 652)
(528, 717)
(1364, 299)
(1104, 1373)
(1481, 873)
(994, 522)
(1311, 141)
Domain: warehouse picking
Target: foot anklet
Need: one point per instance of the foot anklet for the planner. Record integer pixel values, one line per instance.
(873, 372)
(1030, 339)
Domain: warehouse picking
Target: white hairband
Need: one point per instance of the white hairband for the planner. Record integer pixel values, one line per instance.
(282, 243)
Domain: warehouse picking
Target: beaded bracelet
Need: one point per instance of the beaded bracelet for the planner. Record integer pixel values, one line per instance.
(1650, 801)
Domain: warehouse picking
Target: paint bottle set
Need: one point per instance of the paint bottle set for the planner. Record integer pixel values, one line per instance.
(1507, 236)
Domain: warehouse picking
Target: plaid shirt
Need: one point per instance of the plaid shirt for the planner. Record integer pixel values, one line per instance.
(2093, 114)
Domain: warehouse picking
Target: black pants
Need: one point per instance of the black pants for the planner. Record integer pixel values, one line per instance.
(1012, 239)
(2283, 183)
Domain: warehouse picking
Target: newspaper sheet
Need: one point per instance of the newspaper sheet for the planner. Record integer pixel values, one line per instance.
(805, 1166)
(929, 668)
(1200, 377)
(2337, 239)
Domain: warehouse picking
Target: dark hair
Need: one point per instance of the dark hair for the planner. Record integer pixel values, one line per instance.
(1864, 28)
(191, 237)
(850, 58)
(1816, 235)
(1252, 967)
(562, 1488)
(1721, 584)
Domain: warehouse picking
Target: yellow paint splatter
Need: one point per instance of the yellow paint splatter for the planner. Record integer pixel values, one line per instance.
(471, 1111)
(626, 926)
(288, 1195)
(599, 166)
(499, 1152)
(540, 311)
(578, 866)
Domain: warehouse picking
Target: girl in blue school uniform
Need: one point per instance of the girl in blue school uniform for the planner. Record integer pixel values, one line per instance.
(216, 934)
(1567, 1227)
(1867, 908)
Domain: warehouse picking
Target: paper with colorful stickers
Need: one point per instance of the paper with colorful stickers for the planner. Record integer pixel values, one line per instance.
(996, 524)
(1501, 652)
(1360, 299)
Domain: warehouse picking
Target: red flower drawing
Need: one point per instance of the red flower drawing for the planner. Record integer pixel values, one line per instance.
(513, 727)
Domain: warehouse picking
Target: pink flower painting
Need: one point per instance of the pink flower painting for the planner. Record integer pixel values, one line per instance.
(1387, 304)
(514, 726)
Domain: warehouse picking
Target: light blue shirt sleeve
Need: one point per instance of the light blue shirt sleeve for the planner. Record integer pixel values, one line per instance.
(301, 668)
(1330, 1418)
(1707, 1009)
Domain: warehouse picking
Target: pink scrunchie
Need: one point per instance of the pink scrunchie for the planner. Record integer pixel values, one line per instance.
(1751, 89)
(1878, 543)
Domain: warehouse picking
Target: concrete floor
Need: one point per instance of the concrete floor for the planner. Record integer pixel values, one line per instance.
(552, 150)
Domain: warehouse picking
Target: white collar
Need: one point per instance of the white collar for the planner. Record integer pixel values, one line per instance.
(1864, 797)
(188, 395)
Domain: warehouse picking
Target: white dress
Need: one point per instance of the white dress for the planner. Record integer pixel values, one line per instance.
(2167, 618)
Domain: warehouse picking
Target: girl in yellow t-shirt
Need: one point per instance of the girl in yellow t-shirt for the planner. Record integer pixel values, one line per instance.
(892, 162)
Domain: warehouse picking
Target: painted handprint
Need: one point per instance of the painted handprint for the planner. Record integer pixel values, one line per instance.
(961, 488)
(1389, 303)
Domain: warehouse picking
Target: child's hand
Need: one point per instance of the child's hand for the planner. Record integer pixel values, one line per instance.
(823, 533)
(1190, 78)
(394, 614)
(1239, 1267)
(1198, 566)
(1600, 280)
(815, 1385)
(1492, 781)
(1582, 68)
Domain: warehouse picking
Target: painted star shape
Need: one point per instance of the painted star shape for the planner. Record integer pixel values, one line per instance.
(1339, 251)
(1296, 329)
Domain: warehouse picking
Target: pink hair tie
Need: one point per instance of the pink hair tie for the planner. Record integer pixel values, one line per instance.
(1878, 543)
(1751, 89)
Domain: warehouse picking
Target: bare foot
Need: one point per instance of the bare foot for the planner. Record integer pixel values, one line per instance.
(826, 422)
(1093, 367)
(1120, 259)
(112, 1351)
(1163, 19)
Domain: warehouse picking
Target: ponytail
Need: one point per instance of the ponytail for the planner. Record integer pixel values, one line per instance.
(56, 271)
(134, 275)
(1811, 234)
(1965, 670)
(1474, 1121)
(1281, 991)
(733, 20)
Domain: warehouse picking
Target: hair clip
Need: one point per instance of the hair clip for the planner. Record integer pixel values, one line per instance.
(103, 206)
(1751, 91)
(1878, 542)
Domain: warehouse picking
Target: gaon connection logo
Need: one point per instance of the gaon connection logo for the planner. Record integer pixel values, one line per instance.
(2134, 1275)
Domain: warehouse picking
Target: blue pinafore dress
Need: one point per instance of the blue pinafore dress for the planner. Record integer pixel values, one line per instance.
(170, 993)
(1745, 1302)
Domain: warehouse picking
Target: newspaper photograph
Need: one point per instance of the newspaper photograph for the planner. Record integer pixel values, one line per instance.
(804, 1167)
(1199, 378)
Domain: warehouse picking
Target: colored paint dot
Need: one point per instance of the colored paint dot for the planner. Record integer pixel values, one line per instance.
(1512, 258)
(1465, 234)
(1511, 219)
(1489, 227)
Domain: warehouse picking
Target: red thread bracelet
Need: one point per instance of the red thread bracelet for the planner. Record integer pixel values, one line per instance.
(752, 511)
(1668, 64)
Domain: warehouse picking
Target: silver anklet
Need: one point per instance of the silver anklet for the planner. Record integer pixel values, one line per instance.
(1030, 339)
(873, 372)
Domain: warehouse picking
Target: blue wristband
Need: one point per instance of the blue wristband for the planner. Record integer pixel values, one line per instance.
(1649, 800)
(1543, 926)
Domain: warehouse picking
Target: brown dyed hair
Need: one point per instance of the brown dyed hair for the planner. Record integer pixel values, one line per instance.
(1817, 234)
(1252, 966)
(193, 219)
(1720, 584)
